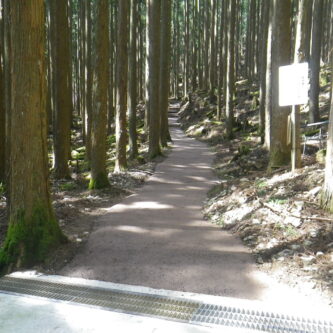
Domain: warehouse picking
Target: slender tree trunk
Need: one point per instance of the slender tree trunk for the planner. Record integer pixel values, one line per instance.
(230, 82)
(299, 57)
(133, 78)
(83, 59)
(89, 78)
(212, 62)
(165, 70)
(63, 98)
(221, 62)
(7, 88)
(207, 44)
(33, 230)
(122, 78)
(262, 71)
(315, 60)
(279, 54)
(111, 107)
(225, 53)
(2, 119)
(99, 177)
(327, 192)
(154, 73)
(147, 101)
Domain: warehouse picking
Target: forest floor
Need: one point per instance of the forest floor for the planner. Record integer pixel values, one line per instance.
(277, 215)
(76, 207)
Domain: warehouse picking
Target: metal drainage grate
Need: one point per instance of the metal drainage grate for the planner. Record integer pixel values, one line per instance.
(143, 304)
(166, 307)
(259, 320)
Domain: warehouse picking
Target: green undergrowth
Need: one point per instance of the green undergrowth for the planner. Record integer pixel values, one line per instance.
(29, 239)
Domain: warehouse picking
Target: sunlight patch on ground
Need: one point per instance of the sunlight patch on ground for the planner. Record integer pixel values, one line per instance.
(131, 228)
(138, 205)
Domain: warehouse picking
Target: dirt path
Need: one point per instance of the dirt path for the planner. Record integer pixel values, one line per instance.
(158, 238)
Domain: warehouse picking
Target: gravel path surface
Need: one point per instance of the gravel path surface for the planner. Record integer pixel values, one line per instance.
(158, 237)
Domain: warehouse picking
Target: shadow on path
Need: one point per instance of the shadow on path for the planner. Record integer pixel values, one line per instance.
(158, 238)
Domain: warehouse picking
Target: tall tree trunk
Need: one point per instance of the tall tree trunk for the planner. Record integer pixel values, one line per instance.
(230, 81)
(212, 76)
(279, 54)
(63, 98)
(122, 75)
(207, 44)
(314, 115)
(33, 230)
(154, 73)
(111, 107)
(83, 59)
(147, 101)
(7, 56)
(195, 45)
(221, 62)
(299, 57)
(262, 71)
(2, 120)
(99, 177)
(327, 192)
(165, 70)
(133, 79)
(89, 77)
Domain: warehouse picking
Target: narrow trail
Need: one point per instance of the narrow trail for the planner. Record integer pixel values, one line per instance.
(158, 237)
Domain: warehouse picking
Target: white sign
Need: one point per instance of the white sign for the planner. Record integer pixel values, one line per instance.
(294, 84)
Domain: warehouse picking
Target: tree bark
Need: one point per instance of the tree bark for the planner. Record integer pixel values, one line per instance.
(299, 57)
(133, 79)
(262, 71)
(279, 54)
(99, 177)
(89, 78)
(165, 70)
(2, 122)
(327, 192)
(314, 115)
(33, 230)
(122, 86)
(154, 74)
(63, 98)
(230, 81)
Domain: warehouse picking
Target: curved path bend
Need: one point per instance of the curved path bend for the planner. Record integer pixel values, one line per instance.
(158, 237)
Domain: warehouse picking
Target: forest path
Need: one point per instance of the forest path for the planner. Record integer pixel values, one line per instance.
(158, 238)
